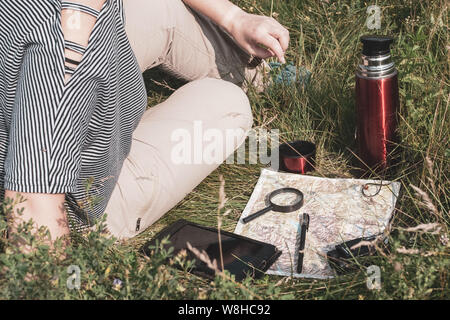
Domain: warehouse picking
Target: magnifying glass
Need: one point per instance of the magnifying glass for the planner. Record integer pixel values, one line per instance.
(281, 200)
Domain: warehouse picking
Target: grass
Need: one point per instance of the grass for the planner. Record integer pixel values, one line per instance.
(324, 39)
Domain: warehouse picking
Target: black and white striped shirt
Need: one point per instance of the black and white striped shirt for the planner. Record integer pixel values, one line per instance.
(57, 137)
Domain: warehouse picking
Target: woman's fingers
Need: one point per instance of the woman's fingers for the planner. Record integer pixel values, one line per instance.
(262, 36)
(281, 34)
(260, 52)
(273, 44)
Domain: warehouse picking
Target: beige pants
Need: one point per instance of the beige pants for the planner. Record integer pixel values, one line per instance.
(153, 180)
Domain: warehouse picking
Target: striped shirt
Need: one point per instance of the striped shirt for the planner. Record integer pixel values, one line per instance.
(66, 138)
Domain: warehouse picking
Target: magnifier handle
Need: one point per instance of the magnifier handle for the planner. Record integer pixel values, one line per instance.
(256, 214)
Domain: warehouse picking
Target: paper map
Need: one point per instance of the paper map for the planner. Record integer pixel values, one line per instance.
(338, 212)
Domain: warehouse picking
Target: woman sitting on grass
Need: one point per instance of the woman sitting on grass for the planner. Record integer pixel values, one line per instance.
(76, 140)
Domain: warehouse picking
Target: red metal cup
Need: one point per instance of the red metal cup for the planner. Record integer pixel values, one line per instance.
(297, 156)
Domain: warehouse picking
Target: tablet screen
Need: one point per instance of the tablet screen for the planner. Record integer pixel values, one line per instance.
(238, 254)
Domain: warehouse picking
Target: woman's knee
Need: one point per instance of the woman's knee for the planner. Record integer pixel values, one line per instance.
(220, 99)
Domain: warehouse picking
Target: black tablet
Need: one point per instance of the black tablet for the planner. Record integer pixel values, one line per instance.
(242, 256)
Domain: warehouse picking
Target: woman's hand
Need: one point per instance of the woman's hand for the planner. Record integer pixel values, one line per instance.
(45, 209)
(260, 36)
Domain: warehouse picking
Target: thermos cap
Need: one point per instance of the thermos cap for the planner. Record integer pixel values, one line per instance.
(375, 45)
(376, 62)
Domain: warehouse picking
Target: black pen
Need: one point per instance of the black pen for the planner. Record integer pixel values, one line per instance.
(303, 229)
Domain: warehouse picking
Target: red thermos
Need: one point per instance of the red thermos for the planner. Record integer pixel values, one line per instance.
(377, 103)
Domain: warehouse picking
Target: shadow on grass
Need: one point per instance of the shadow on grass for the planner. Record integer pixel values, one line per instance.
(160, 82)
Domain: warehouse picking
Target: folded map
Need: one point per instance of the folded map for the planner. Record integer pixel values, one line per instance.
(339, 210)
